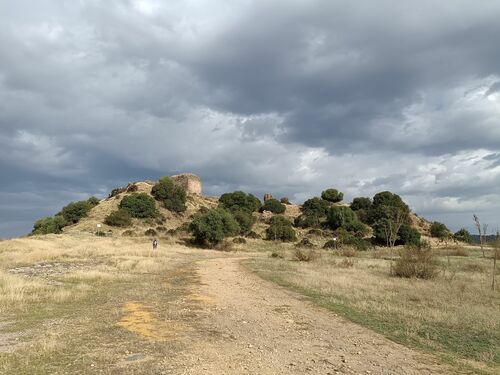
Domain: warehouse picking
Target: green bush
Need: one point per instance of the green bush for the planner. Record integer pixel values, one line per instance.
(315, 207)
(93, 201)
(408, 235)
(273, 205)
(332, 195)
(118, 218)
(49, 225)
(307, 221)
(74, 211)
(139, 205)
(238, 201)
(439, 230)
(386, 205)
(245, 220)
(344, 217)
(150, 232)
(173, 197)
(213, 226)
(463, 235)
(280, 229)
(361, 203)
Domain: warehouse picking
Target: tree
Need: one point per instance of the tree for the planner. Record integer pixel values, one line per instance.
(344, 217)
(280, 229)
(74, 211)
(439, 230)
(139, 205)
(245, 220)
(238, 200)
(332, 195)
(213, 226)
(387, 213)
(273, 205)
(48, 225)
(408, 235)
(482, 232)
(361, 203)
(118, 218)
(315, 207)
(496, 255)
(173, 197)
(463, 235)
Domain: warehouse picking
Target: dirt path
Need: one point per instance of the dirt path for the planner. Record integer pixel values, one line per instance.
(250, 326)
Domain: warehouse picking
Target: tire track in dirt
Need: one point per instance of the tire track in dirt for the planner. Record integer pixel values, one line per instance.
(251, 326)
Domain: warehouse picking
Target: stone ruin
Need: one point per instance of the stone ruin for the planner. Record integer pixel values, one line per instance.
(191, 183)
(267, 197)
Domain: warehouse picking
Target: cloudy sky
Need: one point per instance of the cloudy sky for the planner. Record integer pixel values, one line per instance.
(287, 97)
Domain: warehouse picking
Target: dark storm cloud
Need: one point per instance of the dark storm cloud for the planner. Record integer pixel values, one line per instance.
(286, 97)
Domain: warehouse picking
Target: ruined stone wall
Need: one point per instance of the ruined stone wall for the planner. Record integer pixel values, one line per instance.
(189, 182)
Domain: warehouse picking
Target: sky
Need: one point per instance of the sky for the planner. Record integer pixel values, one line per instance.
(282, 97)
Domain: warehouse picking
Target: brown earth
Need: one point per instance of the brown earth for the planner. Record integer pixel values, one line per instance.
(250, 326)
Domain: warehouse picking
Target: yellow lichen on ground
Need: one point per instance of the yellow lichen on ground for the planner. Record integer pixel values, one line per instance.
(139, 320)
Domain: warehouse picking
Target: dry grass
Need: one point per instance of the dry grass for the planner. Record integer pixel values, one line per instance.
(455, 315)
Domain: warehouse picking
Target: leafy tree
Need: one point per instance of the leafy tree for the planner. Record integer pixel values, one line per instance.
(74, 211)
(213, 226)
(93, 201)
(245, 220)
(307, 221)
(344, 217)
(408, 235)
(273, 205)
(315, 206)
(463, 235)
(139, 205)
(332, 195)
(361, 203)
(387, 205)
(439, 230)
(239, 200)
(118, 218)
(280, 229)
(173, 197)
(49, 225)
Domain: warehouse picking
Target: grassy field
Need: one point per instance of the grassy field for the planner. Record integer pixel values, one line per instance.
(80, 304)
(456, 315)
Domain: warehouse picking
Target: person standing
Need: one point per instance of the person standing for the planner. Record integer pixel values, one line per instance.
(155, 244)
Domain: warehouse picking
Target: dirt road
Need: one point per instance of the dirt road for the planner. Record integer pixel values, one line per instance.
(250, 326)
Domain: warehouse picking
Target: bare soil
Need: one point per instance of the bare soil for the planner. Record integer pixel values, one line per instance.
(250, 326)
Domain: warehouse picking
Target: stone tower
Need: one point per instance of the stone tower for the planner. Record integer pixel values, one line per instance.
(191, 183)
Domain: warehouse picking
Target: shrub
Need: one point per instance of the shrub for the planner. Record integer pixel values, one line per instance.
(415, 262)
(74, 211)
(100, 233)
(357, 243)
(361, 203)
(332, 195)
(463, 235)
(273, 205)
(331, 244)
(304, 255)
(348, 253)
(439, 230)
(128, 233)
(173, 197)
(305, 242)
(315, 207)
(346, 263)
(253, 235)
(93, 201)
(213, 226)
(239, 240)
(115, 192)
(118, 218)
(344, 217)
(239, 200)
(408, 235)
(150, 232)
(280, 229)
(132, 188)
(245, 220)
(307, 221)
(49, 225)
(139, 205)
